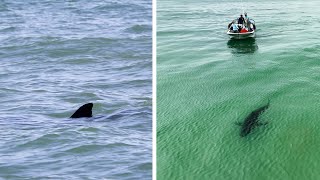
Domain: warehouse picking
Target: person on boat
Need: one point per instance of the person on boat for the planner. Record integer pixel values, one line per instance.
(247, 22)
(234, 28)
(246, 16)
(241, 19)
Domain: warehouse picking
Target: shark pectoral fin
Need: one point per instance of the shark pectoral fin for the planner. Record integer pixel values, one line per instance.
(262, 124)
(238, 123)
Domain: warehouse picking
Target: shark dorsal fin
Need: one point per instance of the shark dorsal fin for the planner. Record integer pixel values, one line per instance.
(84, 111)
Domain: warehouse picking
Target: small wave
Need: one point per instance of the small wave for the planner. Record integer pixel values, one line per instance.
(90, 129)
(3, 7)
(81, 97)
(60, 115)
(94, 147)
(8, 29)
(145, 166)
(71, 46)
(117, 145)
(116, 6)
(86, 148)
(79, 61)
(42, 141)
(139, 28)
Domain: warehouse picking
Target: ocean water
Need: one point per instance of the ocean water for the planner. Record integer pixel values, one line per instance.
(58, 55)
(206, 83)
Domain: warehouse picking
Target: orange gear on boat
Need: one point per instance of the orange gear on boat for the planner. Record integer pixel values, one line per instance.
(243, 30)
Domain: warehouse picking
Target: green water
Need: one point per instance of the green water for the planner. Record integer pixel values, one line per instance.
(206, 83)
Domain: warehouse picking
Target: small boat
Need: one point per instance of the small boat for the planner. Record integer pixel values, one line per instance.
(242, 31)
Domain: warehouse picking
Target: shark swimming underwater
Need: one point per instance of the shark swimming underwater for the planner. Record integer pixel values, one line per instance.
(252, 120)
(84, 111)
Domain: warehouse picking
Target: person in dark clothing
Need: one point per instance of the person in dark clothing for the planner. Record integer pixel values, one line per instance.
(241, 19)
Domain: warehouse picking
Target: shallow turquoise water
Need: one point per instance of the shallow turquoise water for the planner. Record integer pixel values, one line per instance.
(207, 83)
(56, 56)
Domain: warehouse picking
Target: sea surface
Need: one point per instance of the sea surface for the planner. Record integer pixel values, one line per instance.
(58, 55)
(207, 83)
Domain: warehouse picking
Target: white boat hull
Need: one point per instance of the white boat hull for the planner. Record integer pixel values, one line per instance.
(245, 35)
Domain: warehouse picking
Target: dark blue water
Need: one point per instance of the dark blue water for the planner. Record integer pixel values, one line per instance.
(56, 56)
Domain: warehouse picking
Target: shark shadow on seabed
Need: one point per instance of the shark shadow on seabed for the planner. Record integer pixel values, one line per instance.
(252, 120)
